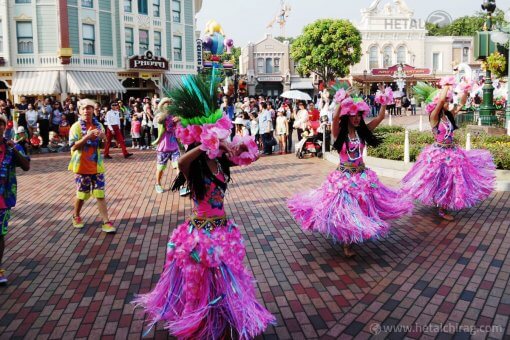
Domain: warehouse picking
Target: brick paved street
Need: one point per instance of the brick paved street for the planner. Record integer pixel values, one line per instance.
(67, 283)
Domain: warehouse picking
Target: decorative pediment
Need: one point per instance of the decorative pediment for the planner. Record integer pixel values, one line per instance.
(22, 17)
(89, 21)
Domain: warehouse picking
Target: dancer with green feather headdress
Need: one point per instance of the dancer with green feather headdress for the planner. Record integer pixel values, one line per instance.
(205, 291)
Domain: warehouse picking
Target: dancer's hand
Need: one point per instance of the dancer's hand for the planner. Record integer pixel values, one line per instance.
(225, 147)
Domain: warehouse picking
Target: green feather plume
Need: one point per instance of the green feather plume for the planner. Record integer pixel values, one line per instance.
(425, 92)
(195, 100)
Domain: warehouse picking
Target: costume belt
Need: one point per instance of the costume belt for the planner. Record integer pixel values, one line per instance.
(208, 224)
(352, 169)
(445, 146)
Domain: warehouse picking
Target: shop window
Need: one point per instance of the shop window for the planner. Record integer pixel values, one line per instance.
(276, 65)
(143, 39)
(373, 57)
(176, 10)
(156, 8)
(401, 55)
(157, 43)
(436, 61)
(269, 65)
(25, 37)
(142, 7)
(387, 57)
(260, 65)
(87, 3)
(89, 39)
(129, 41)
(128, 6)
(177, 42)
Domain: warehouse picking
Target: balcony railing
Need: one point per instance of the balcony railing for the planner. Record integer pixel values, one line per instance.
(51, 60)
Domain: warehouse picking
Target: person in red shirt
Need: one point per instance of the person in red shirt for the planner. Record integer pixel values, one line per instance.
(313, 117)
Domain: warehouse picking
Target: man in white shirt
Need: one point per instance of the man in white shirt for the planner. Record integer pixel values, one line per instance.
(112, 122)
(265, 129)
(413, 105)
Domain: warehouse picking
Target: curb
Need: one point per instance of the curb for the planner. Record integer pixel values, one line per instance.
(398, 169)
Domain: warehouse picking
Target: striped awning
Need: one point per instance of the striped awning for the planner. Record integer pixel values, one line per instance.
(301, 85)
(173, 80)
(85, 82)
(35, 83)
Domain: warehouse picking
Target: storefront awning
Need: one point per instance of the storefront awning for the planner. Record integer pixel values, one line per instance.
(84, 82)
(35, 83)
(301, 85)
(173, 80)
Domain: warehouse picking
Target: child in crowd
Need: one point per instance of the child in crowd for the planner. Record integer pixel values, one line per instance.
(35, 143)
(240, 124)
(63, 130)
(21, 139)
(282, 129)
(136, 131)
(254, 127)
(55, 144)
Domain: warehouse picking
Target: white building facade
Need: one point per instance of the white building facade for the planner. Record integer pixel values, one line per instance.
(392, 35)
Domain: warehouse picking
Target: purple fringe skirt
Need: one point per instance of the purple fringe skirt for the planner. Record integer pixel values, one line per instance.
(451, 178)
(205, 292)
(350, 208)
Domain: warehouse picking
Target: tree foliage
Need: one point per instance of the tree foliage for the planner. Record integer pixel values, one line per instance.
(466, 25)
(234, 55)
(327, 47)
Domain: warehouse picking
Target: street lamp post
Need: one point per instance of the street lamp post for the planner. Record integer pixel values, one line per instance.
(487, 107)
(365, 82)
(502, 37)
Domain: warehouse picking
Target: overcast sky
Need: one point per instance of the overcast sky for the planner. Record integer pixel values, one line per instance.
(246, 20)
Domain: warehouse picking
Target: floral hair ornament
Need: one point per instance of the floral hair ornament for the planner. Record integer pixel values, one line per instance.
(350, 106)
(201, 121)
(384, 97)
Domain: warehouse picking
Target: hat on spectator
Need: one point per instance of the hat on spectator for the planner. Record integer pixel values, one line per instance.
(164, 101)
(20, 129)
(86, 102)
(281, 109)
(239, 121)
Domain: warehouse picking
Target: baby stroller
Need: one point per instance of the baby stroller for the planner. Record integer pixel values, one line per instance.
(310, 144)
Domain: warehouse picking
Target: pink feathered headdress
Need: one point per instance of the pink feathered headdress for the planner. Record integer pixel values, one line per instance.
(348, 107)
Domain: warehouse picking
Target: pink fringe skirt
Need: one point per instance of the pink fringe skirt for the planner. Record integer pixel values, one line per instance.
(205, 292)
(451, 178)
(350, 208)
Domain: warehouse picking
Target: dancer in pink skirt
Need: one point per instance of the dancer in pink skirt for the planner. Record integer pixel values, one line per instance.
(205, 291)
(352, 205)
(445, 175)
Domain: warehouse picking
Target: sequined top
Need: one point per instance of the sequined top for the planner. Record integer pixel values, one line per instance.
(443, 131)
(212, 204)
(352, 153)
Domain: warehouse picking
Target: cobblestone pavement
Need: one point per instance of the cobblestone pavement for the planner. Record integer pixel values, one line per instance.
(67, 283)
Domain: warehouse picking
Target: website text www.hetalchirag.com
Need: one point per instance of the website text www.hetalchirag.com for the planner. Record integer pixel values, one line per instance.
(377, 328)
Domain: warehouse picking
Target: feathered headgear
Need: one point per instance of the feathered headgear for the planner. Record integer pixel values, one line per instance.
(430, 94)
(201, 121)
(351, 105)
